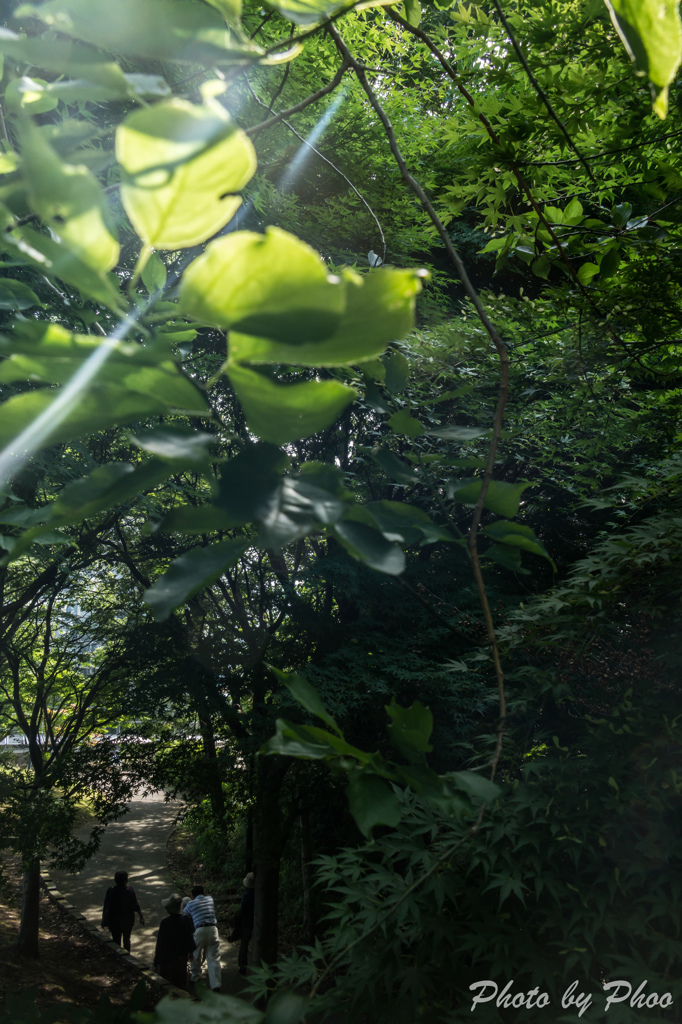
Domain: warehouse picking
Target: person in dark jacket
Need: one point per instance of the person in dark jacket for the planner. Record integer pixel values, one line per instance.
(246, 920)
(120, 907)
(174, 943)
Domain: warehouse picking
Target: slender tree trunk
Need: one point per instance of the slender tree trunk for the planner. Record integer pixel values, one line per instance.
(306, 857)
(267, 851)
(214, 782)
(30, 911)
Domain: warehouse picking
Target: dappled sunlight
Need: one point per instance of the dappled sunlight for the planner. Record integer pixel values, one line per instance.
(136, 844)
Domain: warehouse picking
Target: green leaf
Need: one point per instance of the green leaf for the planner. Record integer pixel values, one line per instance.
(410, 730)
(379, 309)
(182, 164)
(174, 30)
(413, 13)
(609, 263)
(404, 423)
(52, 256)
(307, 12)
(210, 1008)
(16, 295)
(69, 199)
(311, 743)
(39, 418)
(508, 557)
(371, 801)
(270, 284)
(393, 467)
(250, 484)
(397, 372)
(573, 214)
(195, 520)
(154, 274)
(190, 574)
(501, 498)
(586, 272)
(301, 507)
(516, 535)
(306, 695)
(285, 1008)
(231, 10)
(104, 488)
(176, 444)
(476, 785)
(370, 546)
(29, 95)
(398, 521)
(651, 32)
(280, 413)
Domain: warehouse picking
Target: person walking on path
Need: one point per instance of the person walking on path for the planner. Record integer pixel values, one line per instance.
(201, 909)
(174, 943)
(246, 920)
(120, 907)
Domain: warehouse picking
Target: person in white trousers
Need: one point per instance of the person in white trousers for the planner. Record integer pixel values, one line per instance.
(201, 909)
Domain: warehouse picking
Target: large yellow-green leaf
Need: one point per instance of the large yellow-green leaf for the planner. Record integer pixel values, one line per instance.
(270, 284)
(307, 12)
(280, 413)
(651, 32)
(379, 309)
(182, 165)
(70, 200)
(159, 29)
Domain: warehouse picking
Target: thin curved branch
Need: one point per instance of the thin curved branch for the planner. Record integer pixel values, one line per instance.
(503, 356)
(280, 117)
(312, 98)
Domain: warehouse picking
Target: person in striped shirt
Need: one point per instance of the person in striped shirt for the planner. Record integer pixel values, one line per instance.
(201, 909)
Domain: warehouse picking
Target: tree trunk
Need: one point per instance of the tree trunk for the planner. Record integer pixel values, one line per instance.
(213, 781)
(30, 911)
(306, 857)
(267, 851)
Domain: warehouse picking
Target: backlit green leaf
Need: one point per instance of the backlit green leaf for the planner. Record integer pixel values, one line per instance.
(271, 284)
(307, 12)
(54, 257)
(174, 30)
(379, 309)
(70, 200)
(29, 95)
(182, 163)
(651, 32)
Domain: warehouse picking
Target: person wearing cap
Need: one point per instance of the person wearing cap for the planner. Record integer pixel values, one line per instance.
(246, 909)
(201, 909)
(174, 943)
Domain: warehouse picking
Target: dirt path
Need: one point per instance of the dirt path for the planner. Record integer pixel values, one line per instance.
(137, 844)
